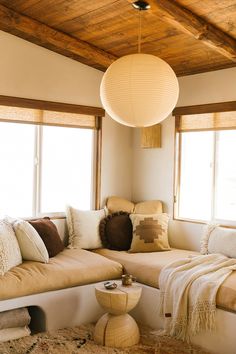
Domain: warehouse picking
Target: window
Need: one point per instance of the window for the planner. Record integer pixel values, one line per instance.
(44, 168)
(17, 168)
(66, 168)
(196, 175)
(58, 160)
(205, 183)
(225, 185)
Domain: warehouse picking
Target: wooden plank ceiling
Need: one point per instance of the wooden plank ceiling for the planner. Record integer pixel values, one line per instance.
(193, 36)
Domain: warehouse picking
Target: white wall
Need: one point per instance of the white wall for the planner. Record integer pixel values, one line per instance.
(117, 160)
(27, 70)
(153, 169)
(30, 71)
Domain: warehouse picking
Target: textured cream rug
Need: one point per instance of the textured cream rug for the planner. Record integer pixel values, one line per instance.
(79, 340)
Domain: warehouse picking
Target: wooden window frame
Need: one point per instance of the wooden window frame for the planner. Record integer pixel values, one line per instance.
(205, 108)
(51, 106)
(96, 112)
(189, 110)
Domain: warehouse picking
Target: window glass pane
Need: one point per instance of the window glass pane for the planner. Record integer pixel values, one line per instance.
(225, 200)
(67, 168)
(17, 168)
(196, 175)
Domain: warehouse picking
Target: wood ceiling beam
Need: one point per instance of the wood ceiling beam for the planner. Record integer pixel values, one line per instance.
(188, 22)
(45, 36)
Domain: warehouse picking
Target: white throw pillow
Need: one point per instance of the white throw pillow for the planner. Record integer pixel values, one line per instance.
(218, 239)
(83, 226)
(31, 245)
(10, 255)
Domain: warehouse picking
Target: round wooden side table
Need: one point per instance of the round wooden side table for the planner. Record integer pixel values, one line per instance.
(117, 328)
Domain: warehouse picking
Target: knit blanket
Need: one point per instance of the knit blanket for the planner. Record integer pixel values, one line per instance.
(14, 318)
(188, 293)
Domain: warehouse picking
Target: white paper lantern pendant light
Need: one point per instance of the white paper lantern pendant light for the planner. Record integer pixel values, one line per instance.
(139, 90)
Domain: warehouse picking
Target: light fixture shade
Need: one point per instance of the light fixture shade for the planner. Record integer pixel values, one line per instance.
(139, 90)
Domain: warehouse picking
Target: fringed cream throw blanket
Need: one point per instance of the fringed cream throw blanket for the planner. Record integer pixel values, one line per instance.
(188, 293)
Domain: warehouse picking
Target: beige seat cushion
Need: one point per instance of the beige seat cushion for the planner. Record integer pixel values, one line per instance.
(146, 267)
(69, 268)
(226, 295)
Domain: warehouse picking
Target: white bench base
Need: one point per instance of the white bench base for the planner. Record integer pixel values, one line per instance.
(60, 308)
(78, 305)
(222, 341)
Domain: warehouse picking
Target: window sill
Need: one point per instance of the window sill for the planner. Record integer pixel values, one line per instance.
(52, 216)
(222, 223)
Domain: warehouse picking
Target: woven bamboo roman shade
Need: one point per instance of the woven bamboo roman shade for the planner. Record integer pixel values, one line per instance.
(31, 111)
(43, 117)
(206, 121)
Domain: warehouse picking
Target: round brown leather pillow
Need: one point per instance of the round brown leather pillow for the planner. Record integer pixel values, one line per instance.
(116, 231)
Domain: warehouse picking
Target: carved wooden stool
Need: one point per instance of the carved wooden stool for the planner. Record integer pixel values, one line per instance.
(117, 328)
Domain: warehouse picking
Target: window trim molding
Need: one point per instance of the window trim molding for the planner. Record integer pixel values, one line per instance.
(177, 166)
(201, 222)
(98, 163)
(96, 112)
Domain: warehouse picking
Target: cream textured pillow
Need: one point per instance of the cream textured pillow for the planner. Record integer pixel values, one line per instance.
(217, 239)
(150, 232)
(10, 255)
(148, 207)
(83, 226)
(116, 204)
(31, 245)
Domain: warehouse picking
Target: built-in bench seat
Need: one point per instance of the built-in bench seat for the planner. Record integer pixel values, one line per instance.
(146, 267)
(61, 293)
(70, 268)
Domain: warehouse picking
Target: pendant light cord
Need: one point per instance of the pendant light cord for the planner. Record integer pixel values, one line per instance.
(139, 32)
(141, 6)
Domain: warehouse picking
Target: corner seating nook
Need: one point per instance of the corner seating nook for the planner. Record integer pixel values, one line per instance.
(61, 293)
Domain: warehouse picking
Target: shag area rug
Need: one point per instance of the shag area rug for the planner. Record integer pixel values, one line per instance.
(79, 340)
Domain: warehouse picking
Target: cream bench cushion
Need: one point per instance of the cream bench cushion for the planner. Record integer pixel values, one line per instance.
(71, 267)
(146, 267)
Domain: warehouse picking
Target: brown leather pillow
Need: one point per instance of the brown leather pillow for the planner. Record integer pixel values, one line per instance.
(116, 231)
(47, 230)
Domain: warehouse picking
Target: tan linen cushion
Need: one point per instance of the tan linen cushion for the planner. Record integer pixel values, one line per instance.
(146, 267)
(69, 268)
(115, 204)
(148, 207)
(150, 232)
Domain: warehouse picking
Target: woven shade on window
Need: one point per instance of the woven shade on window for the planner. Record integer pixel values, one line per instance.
(206, 121)
(43, 117)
